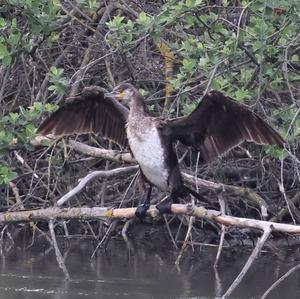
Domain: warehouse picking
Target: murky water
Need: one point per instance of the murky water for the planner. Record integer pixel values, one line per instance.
(146, 272)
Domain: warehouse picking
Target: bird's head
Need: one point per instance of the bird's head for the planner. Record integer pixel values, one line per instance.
(123, 92)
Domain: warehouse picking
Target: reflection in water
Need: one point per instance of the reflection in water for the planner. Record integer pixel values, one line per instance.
(146, 272)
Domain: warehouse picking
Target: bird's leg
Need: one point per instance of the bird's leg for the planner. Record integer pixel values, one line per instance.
(164, 206)
(142, 209)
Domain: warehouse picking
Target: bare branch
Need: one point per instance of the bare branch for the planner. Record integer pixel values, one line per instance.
(111, 155)
(280, 280)
(219, 187)
(89, 177)
(58, 255)
(96, 213)
(260, 243)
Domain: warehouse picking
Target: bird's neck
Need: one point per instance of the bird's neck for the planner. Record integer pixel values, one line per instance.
(137, 107)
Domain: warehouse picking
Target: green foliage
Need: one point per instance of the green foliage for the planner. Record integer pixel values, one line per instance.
(89, 5)
(58, 80)
(17, 128)
(6, 175)
(41, 18)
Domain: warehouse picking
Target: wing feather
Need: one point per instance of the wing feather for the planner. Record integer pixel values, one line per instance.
(218, 124)
(90, 112)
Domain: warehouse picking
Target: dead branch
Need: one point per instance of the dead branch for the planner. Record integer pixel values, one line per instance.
(94, 174)
(259, 245)
(58, 255)
(185, 242)
(87, 55)
(108, 154)
(223, 231)
(219, 187)
(96, 213)
(280, 280)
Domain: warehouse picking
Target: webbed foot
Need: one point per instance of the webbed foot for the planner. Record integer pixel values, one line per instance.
(141, 211)
(164, 207)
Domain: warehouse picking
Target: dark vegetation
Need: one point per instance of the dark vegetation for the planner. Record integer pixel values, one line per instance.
(174, 51)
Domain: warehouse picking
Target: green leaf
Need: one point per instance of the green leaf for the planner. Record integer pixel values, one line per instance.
(52, 87)
(143, 92)
(7, 60)
(13, 117)
(242, 95)
(3, 51)
(143, 19)
(188, 64)
(115, 23)
(6, 175)
(2, 23)
(57, 72)
(14, 38)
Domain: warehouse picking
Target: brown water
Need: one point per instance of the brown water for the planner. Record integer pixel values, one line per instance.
(144, 273)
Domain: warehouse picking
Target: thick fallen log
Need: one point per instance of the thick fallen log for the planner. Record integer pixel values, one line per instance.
(98, 213)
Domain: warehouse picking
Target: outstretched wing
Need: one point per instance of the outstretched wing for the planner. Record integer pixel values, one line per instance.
(90, 112)
(218, 124)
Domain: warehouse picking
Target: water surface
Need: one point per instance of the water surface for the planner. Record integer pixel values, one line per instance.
(146, 272)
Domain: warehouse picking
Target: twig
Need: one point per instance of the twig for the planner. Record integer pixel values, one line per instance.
(24, 163)
(87, 55)
(125, 228)
(260, 243)
(108, 232)
(16, 193)
(282, 190)
(58, 255)
(239, 23)
(109, 72)
(211, 77)
(170, 232)
(124, 234)
(184, 245)
(2, 238)
(280, 280)
(223, 230)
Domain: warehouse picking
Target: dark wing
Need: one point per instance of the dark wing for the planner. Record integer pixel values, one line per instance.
(218, 124)
(90, 112)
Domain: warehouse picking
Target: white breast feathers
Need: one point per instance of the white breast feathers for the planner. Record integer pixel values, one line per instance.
(148, 151)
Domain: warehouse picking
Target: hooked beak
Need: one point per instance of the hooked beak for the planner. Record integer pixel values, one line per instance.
(116, 95)
(110, 95)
